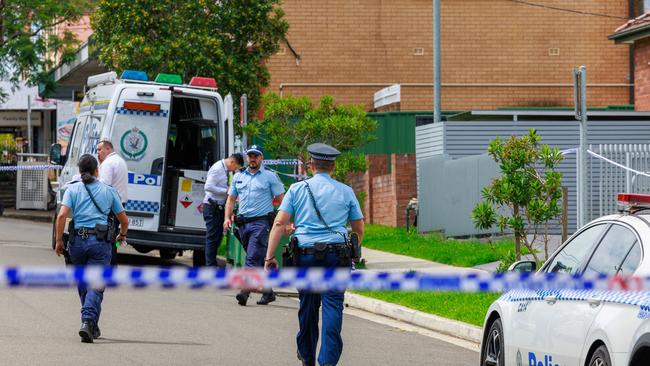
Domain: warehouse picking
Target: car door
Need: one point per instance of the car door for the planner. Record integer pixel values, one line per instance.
(544, 321)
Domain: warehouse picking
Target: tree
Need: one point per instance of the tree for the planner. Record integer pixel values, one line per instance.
(292, 123)
(28, 47)
(228, 40)
(525, 198)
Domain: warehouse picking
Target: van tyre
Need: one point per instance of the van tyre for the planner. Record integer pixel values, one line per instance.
(600, 357)
(167, 254)
(198, 258)
(493, 348)
(141, 249)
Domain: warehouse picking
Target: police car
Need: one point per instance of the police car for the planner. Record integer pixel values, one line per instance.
(562, 328)
(170, 134)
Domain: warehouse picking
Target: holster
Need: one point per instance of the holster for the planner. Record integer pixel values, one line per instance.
(355, 247)
(101, 232)
(290, 256)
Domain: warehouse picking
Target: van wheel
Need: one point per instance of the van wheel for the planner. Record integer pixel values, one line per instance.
(493, 352)
(141, 249)
(198, 258)
(167, 254)
(600, 357)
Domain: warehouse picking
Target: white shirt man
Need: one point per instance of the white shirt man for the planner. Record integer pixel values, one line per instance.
(113, 170)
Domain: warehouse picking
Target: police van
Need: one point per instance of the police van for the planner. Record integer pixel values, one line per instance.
(169, 134)
(580, 327)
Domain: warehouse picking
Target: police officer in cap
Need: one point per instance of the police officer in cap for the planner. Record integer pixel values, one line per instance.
(256, 188)
(90, 202)
(321, 208)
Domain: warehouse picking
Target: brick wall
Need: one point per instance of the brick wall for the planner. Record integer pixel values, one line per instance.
(494, 53)
(642, 75)
(389, 183)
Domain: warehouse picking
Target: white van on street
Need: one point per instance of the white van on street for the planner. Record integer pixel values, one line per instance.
(169, 134)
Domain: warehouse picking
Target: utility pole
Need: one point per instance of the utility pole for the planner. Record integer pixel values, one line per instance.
(580, 97)
(436, 61)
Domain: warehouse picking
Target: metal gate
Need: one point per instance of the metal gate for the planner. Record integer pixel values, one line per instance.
(616, 168)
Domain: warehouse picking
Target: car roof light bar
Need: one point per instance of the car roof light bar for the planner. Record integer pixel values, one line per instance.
(169, 79)
(203, 82)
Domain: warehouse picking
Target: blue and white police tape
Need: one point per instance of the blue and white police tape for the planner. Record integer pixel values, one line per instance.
(314, 279)
(12, 168)
(282, 162)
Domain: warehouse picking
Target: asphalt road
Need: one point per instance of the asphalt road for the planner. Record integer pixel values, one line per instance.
(178, 327)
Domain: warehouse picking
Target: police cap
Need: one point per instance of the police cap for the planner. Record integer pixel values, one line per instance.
(320, 151)
(254, 149)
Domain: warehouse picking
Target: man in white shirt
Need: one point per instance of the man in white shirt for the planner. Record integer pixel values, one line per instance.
(216, 192)
(114, 172)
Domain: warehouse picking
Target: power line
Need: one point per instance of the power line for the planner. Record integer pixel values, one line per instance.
(566, 10)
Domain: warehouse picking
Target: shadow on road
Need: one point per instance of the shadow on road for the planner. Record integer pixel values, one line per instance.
(116, 341)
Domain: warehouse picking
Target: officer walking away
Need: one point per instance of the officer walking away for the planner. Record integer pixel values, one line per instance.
(256, 188)
(114, 172)
(321, 207)
(216, 193)
(90, 202)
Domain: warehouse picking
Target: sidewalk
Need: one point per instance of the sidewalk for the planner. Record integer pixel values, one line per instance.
(33, 215)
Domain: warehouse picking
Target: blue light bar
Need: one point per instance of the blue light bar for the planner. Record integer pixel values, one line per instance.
(134, 75)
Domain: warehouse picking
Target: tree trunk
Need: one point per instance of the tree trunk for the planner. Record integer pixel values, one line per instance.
(517, 236)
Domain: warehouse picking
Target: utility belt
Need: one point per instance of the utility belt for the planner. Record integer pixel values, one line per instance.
(345, 252)
(241, 220)
(100, 231)
(215, 203)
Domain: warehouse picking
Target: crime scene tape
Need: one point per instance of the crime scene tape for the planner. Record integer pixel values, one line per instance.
(10, 168)
(313, 279)
(282, 162)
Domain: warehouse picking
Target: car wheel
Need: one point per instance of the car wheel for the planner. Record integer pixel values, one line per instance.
(600, 357)
(141, 249)
(493, 352)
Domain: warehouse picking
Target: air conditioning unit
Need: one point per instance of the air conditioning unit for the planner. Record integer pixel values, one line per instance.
(31, 187)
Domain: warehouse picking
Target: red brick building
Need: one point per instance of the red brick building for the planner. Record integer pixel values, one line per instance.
(498, 53)
(636, 32)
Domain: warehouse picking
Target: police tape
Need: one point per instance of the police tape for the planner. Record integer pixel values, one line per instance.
(12, 168)
(312, 279)
(282, 162)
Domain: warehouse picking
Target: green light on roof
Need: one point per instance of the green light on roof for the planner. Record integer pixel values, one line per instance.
(169, 79)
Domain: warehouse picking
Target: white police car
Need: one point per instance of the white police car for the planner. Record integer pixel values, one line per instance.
(560, 328)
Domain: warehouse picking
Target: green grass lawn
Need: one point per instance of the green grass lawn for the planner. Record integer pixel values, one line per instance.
(465, 307)
(434, 247)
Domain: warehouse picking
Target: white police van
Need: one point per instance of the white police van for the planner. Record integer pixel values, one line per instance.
(580, 328)
(169, 134)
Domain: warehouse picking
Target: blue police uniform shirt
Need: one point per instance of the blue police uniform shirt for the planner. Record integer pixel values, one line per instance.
(255, 191)
(336, 203)
(84, 212)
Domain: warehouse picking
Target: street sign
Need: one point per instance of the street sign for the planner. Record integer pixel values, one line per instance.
(578, 80)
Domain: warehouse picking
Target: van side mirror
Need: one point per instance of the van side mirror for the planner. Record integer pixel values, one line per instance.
(523, 266)
(55, 154)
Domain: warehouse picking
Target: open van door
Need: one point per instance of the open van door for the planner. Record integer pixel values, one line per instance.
(139, 134)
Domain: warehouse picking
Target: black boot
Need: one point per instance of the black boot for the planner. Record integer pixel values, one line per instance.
(267, 297)
(96, 332)
(86, 331)
(242, 297)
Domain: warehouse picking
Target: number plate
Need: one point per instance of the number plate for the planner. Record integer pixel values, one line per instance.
(136, 222)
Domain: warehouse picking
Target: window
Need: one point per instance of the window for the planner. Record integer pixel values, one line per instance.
(569, 259)
(632, 260)
(610, 254)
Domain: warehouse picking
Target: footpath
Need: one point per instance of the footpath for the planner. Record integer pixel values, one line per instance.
(375, 260)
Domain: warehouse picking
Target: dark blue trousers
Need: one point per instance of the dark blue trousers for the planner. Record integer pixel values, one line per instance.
(255, 236)
(307, 339)
(90, 251)
(213, 214)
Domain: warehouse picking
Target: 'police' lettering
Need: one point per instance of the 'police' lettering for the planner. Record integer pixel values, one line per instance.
(145, 179)
(532, 360)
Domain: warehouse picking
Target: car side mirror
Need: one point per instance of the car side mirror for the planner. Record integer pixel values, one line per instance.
(55, 154)
(523, 266)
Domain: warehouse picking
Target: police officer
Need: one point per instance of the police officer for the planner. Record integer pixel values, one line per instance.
(321, 208)
(256, 188)
(90, 202)
(216, 192)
